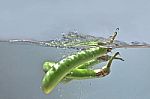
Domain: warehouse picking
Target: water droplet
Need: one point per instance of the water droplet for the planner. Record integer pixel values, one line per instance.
(59, 89)
(90, 83)
(60, 95)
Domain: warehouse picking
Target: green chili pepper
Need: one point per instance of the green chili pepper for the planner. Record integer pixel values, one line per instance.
(49, 64)
(88, 74)
(62, 68)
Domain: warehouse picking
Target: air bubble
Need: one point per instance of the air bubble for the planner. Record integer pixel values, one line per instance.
(90, 83)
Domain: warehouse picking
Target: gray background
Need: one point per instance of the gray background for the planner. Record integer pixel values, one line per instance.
(20, 65)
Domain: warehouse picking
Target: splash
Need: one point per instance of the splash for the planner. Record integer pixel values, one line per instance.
(80, 41)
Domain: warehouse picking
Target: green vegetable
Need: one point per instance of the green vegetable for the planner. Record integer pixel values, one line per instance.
(65, 66)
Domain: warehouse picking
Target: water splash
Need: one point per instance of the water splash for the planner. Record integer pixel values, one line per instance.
(80, 41)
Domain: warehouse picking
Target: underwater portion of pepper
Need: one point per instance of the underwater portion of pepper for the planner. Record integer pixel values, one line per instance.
(77, 66)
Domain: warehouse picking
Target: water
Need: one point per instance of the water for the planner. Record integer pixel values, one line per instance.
(21, 74)
(21, 65)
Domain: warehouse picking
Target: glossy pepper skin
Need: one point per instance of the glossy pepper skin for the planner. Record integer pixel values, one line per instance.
(84, 70)
(62, 68)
